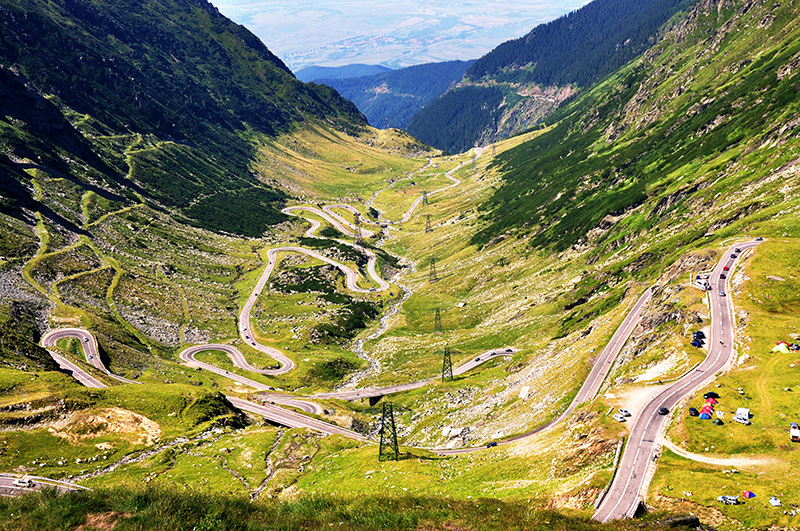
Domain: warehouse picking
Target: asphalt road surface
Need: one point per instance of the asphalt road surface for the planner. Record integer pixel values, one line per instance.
(624, 495)
(8, 488)
(90, 352)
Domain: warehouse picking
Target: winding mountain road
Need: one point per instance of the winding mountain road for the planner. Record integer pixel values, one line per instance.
(91, 353)
(625, 493)
(630, 482)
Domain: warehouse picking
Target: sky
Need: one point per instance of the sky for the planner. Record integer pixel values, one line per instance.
(396, 34)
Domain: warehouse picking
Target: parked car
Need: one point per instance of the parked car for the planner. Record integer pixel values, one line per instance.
(728, 500)
(491, 444)
(624, 412)
(663, 410)
(794, 432)
(618, 417)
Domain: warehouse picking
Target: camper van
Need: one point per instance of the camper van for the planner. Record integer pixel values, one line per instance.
(794, 432)
(742, 415)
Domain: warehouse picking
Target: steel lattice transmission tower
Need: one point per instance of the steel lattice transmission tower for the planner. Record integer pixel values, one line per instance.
(447, 365)
(432, 276)
(425, 197)
(437, 321)
(388, 450)
(428, 228)
(357, 236)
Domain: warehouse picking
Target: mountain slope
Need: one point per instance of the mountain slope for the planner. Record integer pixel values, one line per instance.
(189, 88)
(684, 141)
(539, 71)
(391, 99)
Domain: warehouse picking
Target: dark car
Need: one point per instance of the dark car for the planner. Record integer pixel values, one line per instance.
(710, 394)
(662, 410)
(721, 293)
(491, 444)
(696, 344)
(723, 275)
(734, 255)
(737, 250)
(760, 239)
(699, 333)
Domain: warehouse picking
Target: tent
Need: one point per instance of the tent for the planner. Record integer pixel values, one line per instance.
(704, 416)
(710, 394)
(749, 494)
(717, 422)
(711, 400)
(708, 408)
(781, 347)
(775, 502)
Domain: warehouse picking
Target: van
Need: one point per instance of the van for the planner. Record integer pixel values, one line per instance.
(794, 432)
(742, 416)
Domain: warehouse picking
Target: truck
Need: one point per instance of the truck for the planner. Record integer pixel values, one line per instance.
(743, 416)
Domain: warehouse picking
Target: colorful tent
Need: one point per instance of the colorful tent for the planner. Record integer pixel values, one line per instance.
(705, 416)
(749, 494)
(781, 347)
(711, 401)
(708, 408)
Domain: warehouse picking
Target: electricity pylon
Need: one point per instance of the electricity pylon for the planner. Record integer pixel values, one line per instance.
(388, 450)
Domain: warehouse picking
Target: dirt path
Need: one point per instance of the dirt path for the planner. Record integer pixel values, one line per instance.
(754, 461)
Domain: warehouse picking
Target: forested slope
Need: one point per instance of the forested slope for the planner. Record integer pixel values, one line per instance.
(541, 70)
(689, 141)
(174, 81)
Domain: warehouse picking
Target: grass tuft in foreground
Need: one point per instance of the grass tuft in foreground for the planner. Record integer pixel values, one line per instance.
(162, 508)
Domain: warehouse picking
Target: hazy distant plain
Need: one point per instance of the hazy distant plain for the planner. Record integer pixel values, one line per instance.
(396, 34)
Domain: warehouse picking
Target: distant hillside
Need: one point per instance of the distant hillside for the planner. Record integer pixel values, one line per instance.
(538, 72)
(149, 98)
(315, 73)
(393, 98)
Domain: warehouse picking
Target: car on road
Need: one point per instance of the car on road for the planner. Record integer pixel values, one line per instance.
(91, 357)
(759, 239)
(509, 350)
(737, 250)
(478, 358)
(721, 293)
(723, 276)
(86, 339)
(23, 482)
(491, 444)
(663, 410)
(734, 255)
(618, 417)
(725, 268)
(728, 500)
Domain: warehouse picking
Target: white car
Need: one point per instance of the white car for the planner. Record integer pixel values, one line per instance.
(624, 412)
(618, 417)
(23, 482)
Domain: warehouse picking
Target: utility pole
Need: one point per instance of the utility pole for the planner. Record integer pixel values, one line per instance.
(428, 228)
(388, 449)
(493, 150)
(424, 197)
(473, 163)
(447, 365)
(437, 321)
(432, 277)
